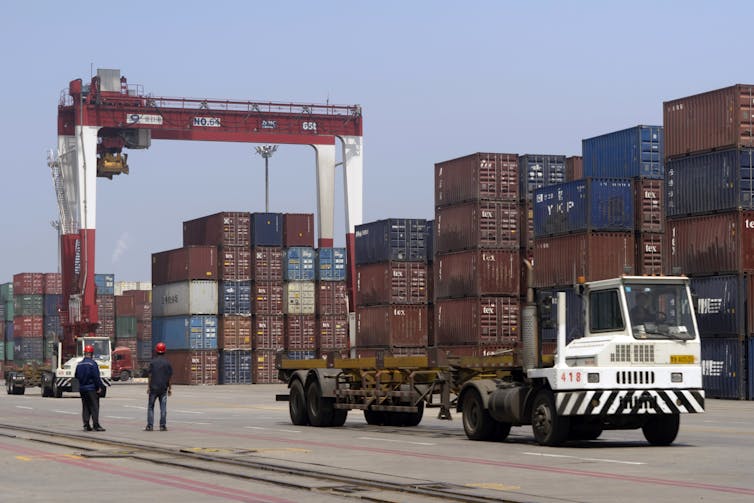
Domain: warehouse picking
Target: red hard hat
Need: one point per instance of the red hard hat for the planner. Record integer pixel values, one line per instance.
(88, 348)
(160, 348)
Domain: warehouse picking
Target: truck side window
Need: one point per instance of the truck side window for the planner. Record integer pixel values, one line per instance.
(604, 311)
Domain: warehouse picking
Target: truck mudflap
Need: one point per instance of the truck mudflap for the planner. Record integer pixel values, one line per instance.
(629, 402)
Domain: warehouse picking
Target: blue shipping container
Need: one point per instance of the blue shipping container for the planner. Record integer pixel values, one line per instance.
(720, 304)
(429, 241)
(298, 263)
(28, 349)
(53, 327)
(235, 367)
(722, 368)
(52, 304)
(636, 151)
(104, 284)
(301, 355)
(393, 239)
(536, 170)
(185, 332)
(591, 204)
(331, 264)
(574, 318)
(144, 350)
(235, 298)
(266, 229)
(707, 183)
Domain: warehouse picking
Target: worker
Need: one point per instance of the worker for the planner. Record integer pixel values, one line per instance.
(90, 388)
(159, 375)
(642, 312)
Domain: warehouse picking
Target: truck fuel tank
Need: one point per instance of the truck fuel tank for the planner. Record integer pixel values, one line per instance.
(507, 404)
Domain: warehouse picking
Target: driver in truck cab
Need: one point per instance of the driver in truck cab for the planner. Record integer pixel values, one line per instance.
(643, 312)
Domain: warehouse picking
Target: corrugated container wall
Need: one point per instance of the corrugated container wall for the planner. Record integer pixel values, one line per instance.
(400, 239)
(537, 171)
(721, 304)
(104, 284)
(649, 204)
(298, 263)
(234, 263)
(266, 229)
(391, 326)
(185, 332)
(268, 332)
(480, 176)
(267, 298)
(185, 298)
(193, 367)
(267, 264)
(228, 228)
(476, 273)
(53, 283)
(650, 253)
(477, 320)
(234, 332)
(332, 298)
(263, 367)
(632, 152)
(28, 283)
(723, 369)
(298, 229)
(184, 264)
(574, 168)
(482, 224)
(391, 283)
(331, 264)
(714, 120)
(234, 298)
(235, 367)
(299, 298)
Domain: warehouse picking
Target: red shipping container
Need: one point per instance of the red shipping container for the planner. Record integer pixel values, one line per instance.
(479, 176)
(560, 260)
(298, 229)
(477, 320)
(711, 244)
(396, 325)
(140, 296)
(184, 264)
(332, 333)
(144, 330)
(234, 332)
(267, 264)
(228, 228)
(715, 120)
(649, 253)
(106, 328)
(267, 299)
(474, 273)
(263, 369)
(143, 311)
(481, 224)
(234, 263)
(391, 283)
(193, 366)
(574, 168)
(332, 297)
(105, 307)
(649, 205)
(301, 332)
(28, 283)
(28, 327)
(53, 283)
(268, 332)
(124, 305)
(526, 224)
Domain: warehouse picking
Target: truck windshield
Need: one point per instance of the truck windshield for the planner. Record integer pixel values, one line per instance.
(660, 311)
(101, 348)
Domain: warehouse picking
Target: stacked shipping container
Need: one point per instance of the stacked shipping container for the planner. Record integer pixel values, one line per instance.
(332, 301)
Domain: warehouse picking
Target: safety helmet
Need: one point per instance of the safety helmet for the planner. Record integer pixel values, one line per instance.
(160, 348)
(89, 349)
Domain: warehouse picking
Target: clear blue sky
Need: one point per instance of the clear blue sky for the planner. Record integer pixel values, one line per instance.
(436, 80)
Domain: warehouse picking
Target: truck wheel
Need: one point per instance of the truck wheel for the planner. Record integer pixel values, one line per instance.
(297, 404)
(56, 391)
(405, 418)
(9, 384)
(319, 409)
(477, 422)
(125, 376)
(338, 416)
(584, 431)
(661, 429)
(502, 430)
(19, 390)
(548, 427)
(374, 417)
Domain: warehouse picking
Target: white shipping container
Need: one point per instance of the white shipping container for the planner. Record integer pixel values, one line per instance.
(124, 286)
(298, 297)
(185, 298)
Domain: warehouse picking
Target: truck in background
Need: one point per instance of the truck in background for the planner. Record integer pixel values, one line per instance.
(124, 368)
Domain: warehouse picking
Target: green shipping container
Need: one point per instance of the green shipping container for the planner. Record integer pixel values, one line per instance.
(6, 292)
(8, 351)
(29, 305)
(125, 327)
(9, 311)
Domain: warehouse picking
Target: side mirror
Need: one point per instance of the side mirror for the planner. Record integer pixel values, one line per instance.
(545, 312)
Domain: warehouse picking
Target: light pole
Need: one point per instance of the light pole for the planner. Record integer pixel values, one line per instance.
(266, 151)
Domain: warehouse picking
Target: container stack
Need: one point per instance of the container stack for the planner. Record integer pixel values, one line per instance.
(133, 324)
(332, 301)
(105, 297)
(477, 266)
(391, 287)
(574, 168)
(53, 299)
(28, 318)
(124, 286)
(6, 323)
(537, 171)
(299, 298)
(709, 160)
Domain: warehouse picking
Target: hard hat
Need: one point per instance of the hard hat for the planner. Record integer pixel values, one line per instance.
(160, 348)
(88, 348)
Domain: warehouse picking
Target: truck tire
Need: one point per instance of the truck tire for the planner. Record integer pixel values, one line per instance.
(548, 427)
(477, 422)
(405, 418)
(374, 417)
(297, 404)
(56, 391)
(125, 375)
(338, 416)
(318, 408)
(502, 430)
(582, 430)
(661, 429)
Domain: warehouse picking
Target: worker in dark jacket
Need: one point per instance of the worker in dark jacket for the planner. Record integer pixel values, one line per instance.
(90, 386)
(160, 372)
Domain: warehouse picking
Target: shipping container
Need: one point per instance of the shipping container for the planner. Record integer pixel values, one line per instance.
(649, 205)
(650, 248)
(299, 298)
(476, 350)
(477, 273)
(6, 292)
(574, 166)
(185, 332)
(632, 152)
(234, 332)
(267, 264)
(380, 352)
(722, 304)
(332, 333)
(477, 177)
(483, 224)
(235, 367)
(298, 229)
(184, 264)
(397, 239)
(268, 332)
(537, 171)
(477, 320)
(711, 244)
(28, 305)
(234, 263)
(28, 283)
(591, 204)
(28, 327)
(332, 298)
(561, 260)
(263, 367)
(53, 283)
(52, 327)
(709, 183)
(193, 367)
(125, 305)
(267, 299)
(185, 298)
(331, 264)
(125, 327)
(139, 296)
(228, 228)
(395, 326)
(123, 286)
(298, 264)
(391, 283)
(8, 309)
(526, 224)
(52, 304)
(235, 298)
(714, 120)
(301, 332)
(104, 284)
(723, 367)
(301, 354)
(429, 240)
(28, 350)
(266, 229)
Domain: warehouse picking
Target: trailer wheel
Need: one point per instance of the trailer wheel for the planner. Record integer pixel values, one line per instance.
(477, 422)
(46, 384)
(661, 429)
(319, 409)
(297, 404)
(338, 416)
(374, 417)
(405, 418)
(548, 427)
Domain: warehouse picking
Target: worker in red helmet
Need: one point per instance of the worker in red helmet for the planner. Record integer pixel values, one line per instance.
(90, 387)
(159, 374)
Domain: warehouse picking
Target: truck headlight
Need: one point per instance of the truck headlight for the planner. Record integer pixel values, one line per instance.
(581, 361)
(676, 377)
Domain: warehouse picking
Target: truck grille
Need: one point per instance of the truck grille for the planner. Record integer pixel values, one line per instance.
(635, 377)
(636, 353)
